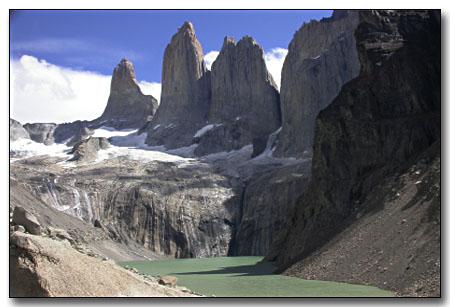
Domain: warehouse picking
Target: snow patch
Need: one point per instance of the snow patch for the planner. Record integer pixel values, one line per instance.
(108, 132)
(25, 148)
(205, 129)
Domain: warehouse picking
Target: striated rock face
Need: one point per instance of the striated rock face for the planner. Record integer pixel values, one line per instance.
(322, 57)
(242, 92)
(42, 267)
(17, 131)
(127, 106)
(41, 132)
(185, 92)
(167, 208)
(377, 127)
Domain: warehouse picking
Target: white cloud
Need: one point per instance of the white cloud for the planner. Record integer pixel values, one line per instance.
(274, 62)
(210, 57)
(43, 92)
(151, 88)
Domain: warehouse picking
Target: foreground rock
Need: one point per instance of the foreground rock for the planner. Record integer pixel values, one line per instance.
(376, 128)
(27, 220)
(245, 106)
(42, 267)
(168, 281)
(322, 57)
(60, 225)
(127, 106)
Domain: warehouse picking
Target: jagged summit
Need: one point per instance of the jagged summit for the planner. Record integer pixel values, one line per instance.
(247, 39)
(244, 99)
(187, 27)
(124, 77)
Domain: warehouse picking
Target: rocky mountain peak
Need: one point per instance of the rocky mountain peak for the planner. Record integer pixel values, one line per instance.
(127, 106)
(244, 99)
(124, 77)
(185, 91)
(228, 40)
(249, 41)
(187, 27)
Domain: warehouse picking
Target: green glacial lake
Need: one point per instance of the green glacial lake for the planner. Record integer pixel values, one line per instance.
(245, 277)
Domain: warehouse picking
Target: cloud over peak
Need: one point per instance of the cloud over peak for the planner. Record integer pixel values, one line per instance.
(43, 92)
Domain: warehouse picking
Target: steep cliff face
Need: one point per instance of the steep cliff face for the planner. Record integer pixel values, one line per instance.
(127, 106)
(167, 208)
(266, 199)
(185, 92)
(322, 57)
(375, 128)
(243, 93)
(17, 131)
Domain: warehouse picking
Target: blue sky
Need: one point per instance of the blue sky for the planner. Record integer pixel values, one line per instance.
(97, 40)
(61, 61)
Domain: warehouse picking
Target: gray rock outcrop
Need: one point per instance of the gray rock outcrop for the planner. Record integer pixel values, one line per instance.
(322, 57)
(185, 93)
(244, 98)
(43, 267)
(86, 150)
(27, 220)
(17, 131)
(158, 206)
(41, 132)
(127, 106)
(376, 129)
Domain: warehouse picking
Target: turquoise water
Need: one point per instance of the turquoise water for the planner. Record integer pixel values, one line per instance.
(246, 277)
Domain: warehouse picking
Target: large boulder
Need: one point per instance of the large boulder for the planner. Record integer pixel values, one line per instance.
(27, 220)
(322, 57)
